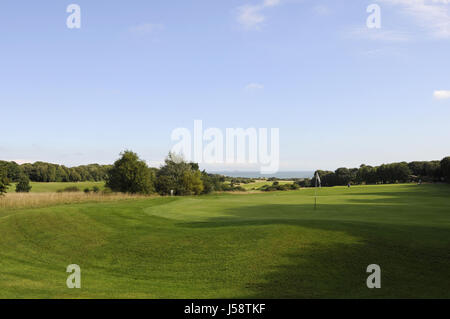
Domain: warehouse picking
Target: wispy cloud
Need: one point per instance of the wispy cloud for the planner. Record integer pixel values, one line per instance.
(441, 95)
(322, 10)
(251, 16)
(146, 28)
(432, 15)
(254, 86)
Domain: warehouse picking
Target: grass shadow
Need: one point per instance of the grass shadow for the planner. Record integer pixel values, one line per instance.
(413, 255)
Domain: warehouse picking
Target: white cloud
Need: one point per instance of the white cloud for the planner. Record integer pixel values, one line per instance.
(433, 15)
(254, 86)
(251, 16)
(271, 3)
(441, 95)
(146, 28)
(322, 10)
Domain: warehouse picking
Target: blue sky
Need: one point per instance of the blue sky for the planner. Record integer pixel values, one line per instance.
(340, 93)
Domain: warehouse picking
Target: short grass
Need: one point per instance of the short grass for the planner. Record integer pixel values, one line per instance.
(261, 245)
(53, 187)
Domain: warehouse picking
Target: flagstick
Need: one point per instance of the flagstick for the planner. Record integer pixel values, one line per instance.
(315, 189)
(315, 195)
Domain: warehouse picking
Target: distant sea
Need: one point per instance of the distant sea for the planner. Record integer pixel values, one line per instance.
(281, 174)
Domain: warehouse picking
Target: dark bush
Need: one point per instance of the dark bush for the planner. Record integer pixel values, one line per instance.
(71, 189)
(23, 185)
(130, 174)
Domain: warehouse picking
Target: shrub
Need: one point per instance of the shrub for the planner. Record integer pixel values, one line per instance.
(23, 185)
(294, 186)
(130, 174)
(277, 187)
(70, 189)
(107, 191)
(182, 177)
(445, 168)
(192, 182)
(306, 182)
(95, 189)
(4, 184)
(232, 188)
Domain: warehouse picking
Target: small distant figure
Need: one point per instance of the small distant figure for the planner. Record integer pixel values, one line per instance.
(420, 182)
(171, 192)
(348, 185)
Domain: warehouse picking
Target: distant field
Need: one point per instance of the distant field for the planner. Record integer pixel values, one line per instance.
(258, 245)
(261, 183)
(53, 187)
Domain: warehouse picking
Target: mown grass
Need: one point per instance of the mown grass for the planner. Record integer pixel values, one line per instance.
(262, 245)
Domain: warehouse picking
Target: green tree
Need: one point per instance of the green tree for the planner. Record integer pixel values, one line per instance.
(74, 176)
(23, 185)
(400, 172)
(130, 174)
(327, 178)
(366, 174)
(180, 176)
(61, 174)
(11, 170)
(192, 182)
(343, 176)
(4, 182)
(304, 182)
(445, 168)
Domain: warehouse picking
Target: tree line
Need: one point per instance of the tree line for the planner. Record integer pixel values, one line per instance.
(11, 172)
(47, 172)
(130, 174)
(425, 171)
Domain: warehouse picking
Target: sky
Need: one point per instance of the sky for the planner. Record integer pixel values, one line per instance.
(341, 94)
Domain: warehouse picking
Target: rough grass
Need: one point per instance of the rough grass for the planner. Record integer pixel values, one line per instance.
(34, 200)
(262, 245)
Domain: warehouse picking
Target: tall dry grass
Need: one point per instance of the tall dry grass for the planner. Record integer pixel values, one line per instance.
(35, 200)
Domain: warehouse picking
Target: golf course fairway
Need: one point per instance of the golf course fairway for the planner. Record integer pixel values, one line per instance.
(258, 245)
